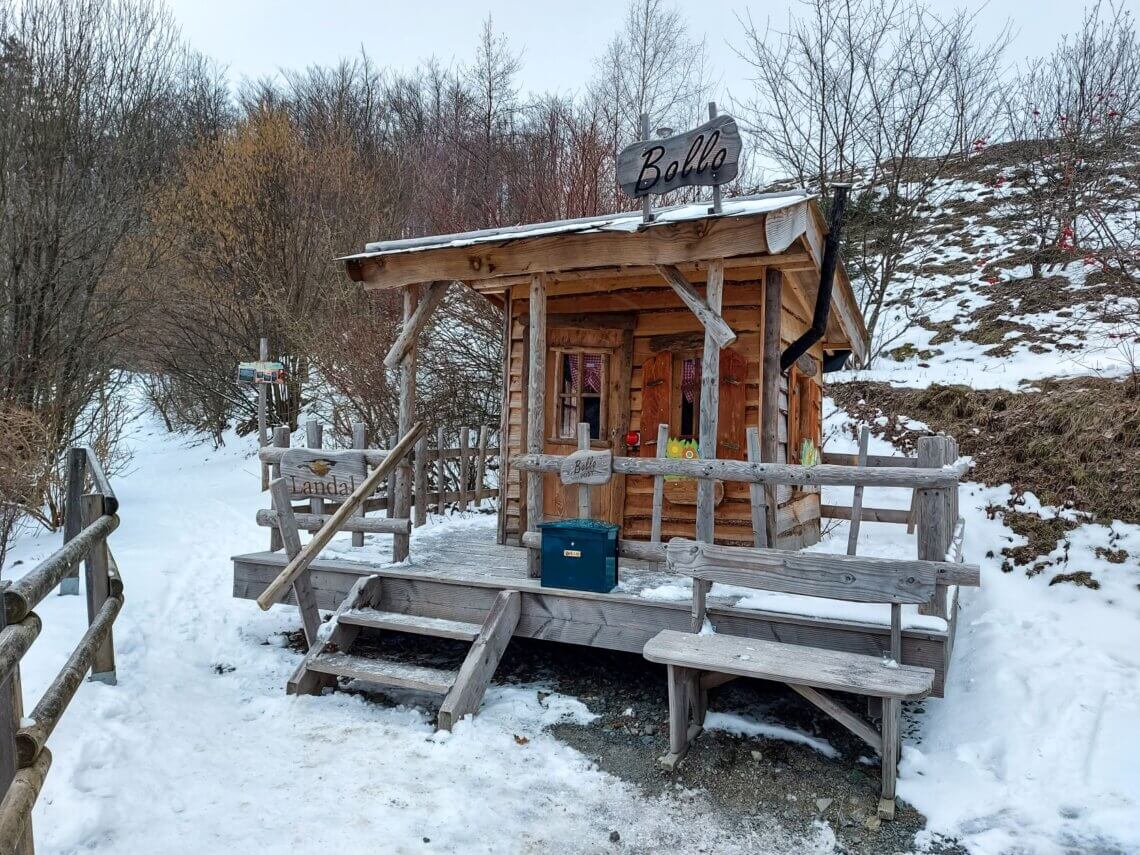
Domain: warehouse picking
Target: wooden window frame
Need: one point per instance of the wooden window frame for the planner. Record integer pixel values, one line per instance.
(680, 355)
(555, 420)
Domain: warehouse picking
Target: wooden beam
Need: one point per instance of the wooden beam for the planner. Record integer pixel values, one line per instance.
(770, 384)
(359, 441)
(98, 585)
(276, 589)
(710, 401)
(536, 412)
(707, 313)
(479, 667)
(659, 484)
(768, 473)
(401, 505)
(841, 714)
(311, 522)
(415, 324)
(665, 243)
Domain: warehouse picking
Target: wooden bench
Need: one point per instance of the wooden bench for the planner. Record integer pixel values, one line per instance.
(701, 660)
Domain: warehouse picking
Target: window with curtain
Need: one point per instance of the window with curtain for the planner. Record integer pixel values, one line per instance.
(581, 381)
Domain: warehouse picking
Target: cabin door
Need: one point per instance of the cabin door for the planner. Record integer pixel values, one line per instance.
(587, 380)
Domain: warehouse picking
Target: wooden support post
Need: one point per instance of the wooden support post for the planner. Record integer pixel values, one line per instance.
(262, 418)
(415, 323)
(359, 440)
(280, 440)
(659, 485)
(583, 489)
(700, 611)
(315, 438)
(857, 501)
(401, 504)
(98, 585)
(892, 713)
(464, 466)
(716, 206)
(440, 470)
(73, 511)
(934, 525)
(504, 422)
(646, 205)
(419, 482)
(291, 537)
(480, 464)
(536, 413)
(770, 385)
(710, 404)
(757, 494)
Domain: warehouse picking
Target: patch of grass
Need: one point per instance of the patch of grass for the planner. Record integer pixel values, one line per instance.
(1081, 577)
(1074, 443)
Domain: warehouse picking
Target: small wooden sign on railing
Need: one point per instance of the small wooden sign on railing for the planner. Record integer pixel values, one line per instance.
(587, 467)
(319, 474)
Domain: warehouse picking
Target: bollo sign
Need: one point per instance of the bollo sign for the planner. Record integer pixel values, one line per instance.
(707, 155)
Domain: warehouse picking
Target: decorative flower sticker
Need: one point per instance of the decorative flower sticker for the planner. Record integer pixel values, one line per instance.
(689, 450)
(674, 448)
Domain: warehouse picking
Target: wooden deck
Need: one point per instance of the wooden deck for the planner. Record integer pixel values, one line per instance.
(457, 575)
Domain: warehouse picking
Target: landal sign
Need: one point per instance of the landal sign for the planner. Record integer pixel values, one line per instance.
(706, 155)
(317, 474)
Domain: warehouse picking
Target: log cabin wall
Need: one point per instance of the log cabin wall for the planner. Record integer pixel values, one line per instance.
(662, 324)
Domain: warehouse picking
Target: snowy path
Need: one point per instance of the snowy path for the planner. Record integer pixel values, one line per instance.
(199, 750)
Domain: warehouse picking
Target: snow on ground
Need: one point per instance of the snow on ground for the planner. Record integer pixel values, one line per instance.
(198, 749)
(1034, 749)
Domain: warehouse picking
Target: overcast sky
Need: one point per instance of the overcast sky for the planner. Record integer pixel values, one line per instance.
(558, 41)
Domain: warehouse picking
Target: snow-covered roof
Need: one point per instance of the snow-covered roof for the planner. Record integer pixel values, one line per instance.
(629, 221)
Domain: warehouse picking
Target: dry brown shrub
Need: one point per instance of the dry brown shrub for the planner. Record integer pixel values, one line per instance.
(26, 472)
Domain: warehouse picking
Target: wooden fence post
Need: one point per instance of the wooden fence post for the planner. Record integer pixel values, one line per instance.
(659, 485)
(281, 439)
(935, 527)
(857, 499)
(464, 465)
(480, 464)
(73, 511)
(314, 438)
(583, 489)
(757, 494)
(419, 481)
(390, 485)
(440, 471)
(360, 441)
(98, 586)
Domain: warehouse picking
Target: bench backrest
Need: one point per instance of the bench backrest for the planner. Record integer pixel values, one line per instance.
(838, 577)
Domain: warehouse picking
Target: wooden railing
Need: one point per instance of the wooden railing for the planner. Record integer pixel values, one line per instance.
(933, 477)
(89, 517)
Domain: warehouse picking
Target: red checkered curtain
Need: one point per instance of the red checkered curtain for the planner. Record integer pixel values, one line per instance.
(691, 380)
(592, 372)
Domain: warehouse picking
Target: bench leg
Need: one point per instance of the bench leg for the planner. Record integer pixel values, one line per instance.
(892, 719)
(682, 683)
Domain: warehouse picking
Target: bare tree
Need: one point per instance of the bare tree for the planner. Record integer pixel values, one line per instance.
(879, 94)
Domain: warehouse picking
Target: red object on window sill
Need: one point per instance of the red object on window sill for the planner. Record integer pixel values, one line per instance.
(633, 439)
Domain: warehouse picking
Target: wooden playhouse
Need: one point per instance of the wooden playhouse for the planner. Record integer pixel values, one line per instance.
(662, 371)
(624, 348)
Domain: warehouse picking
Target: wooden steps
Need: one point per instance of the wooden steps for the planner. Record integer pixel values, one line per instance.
(417, 624)
(385, 672)
(331, 658)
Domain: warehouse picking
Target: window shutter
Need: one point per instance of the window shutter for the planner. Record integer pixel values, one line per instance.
(730, 416)
(656, 399)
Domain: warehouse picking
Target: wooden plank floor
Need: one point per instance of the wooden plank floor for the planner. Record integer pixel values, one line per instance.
(457, 576)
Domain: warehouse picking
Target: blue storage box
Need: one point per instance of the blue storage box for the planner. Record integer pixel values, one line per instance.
(580, 555)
